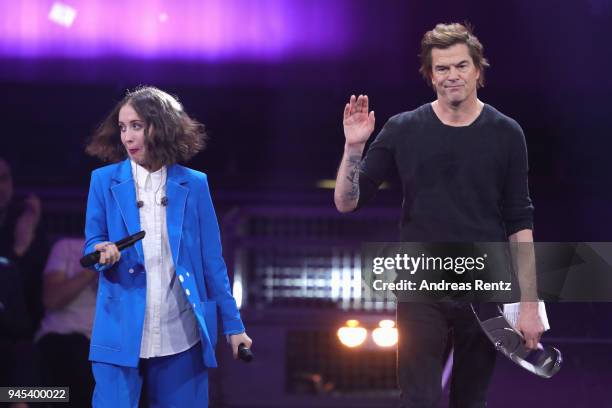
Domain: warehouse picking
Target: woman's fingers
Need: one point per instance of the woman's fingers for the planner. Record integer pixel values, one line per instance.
(109, 254)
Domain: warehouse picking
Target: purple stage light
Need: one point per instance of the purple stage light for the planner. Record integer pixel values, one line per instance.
(207, 30)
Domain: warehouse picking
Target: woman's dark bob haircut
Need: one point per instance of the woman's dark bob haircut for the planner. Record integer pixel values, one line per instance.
(171, 136)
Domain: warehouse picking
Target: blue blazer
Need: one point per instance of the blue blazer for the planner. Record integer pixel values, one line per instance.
(195, 244)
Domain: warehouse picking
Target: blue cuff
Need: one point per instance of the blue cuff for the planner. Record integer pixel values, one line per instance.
(233, 326)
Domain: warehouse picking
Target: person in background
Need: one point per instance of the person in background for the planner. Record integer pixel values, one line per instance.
(69, 297)
(23, 241)
(23, 252)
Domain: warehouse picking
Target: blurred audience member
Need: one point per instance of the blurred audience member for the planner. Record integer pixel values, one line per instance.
(69, 296)
(22, 241)
(14, 331)
(22, 254)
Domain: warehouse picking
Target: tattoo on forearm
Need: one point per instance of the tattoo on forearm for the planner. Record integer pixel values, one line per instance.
(354, 166)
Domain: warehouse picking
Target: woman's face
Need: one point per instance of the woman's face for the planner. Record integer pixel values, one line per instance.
(132, 129)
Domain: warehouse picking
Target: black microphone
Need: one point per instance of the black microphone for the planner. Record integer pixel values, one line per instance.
(93, 257)
(245, 353)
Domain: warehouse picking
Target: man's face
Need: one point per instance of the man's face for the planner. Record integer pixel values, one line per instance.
(132, 129)
(454, 75)
(6, 184)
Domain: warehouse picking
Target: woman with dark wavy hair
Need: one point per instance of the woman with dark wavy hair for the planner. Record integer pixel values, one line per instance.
(156, 311)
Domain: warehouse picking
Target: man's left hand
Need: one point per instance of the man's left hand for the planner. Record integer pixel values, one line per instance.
(530, 324)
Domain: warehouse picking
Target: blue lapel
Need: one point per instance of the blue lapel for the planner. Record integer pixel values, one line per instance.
(176, 191)
(125, 196)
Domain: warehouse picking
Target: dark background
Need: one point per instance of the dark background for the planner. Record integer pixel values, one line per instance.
(276, 129)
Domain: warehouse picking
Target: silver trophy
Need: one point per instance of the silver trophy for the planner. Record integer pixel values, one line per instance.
(544, 361)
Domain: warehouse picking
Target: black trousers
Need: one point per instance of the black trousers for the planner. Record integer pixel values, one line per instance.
(64, 363)
(424, 332)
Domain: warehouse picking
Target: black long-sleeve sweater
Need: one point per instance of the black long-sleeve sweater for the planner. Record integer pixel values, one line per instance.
(460, 184)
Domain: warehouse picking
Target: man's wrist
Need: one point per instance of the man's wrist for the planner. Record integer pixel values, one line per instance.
(529, 306)
(354, 148)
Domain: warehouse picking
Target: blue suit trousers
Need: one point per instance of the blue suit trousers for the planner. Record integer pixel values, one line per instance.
(179, 380)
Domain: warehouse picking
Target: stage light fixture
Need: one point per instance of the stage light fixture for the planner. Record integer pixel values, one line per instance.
(237, 292)
(351, 335)
(386, 334)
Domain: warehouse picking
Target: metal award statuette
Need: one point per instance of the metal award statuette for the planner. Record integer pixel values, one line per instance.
(545, 361)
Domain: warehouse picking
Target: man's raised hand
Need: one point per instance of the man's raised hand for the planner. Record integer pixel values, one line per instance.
(358, 122)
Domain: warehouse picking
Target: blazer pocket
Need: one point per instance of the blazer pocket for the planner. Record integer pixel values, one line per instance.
(107, 326)
(209, 308)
